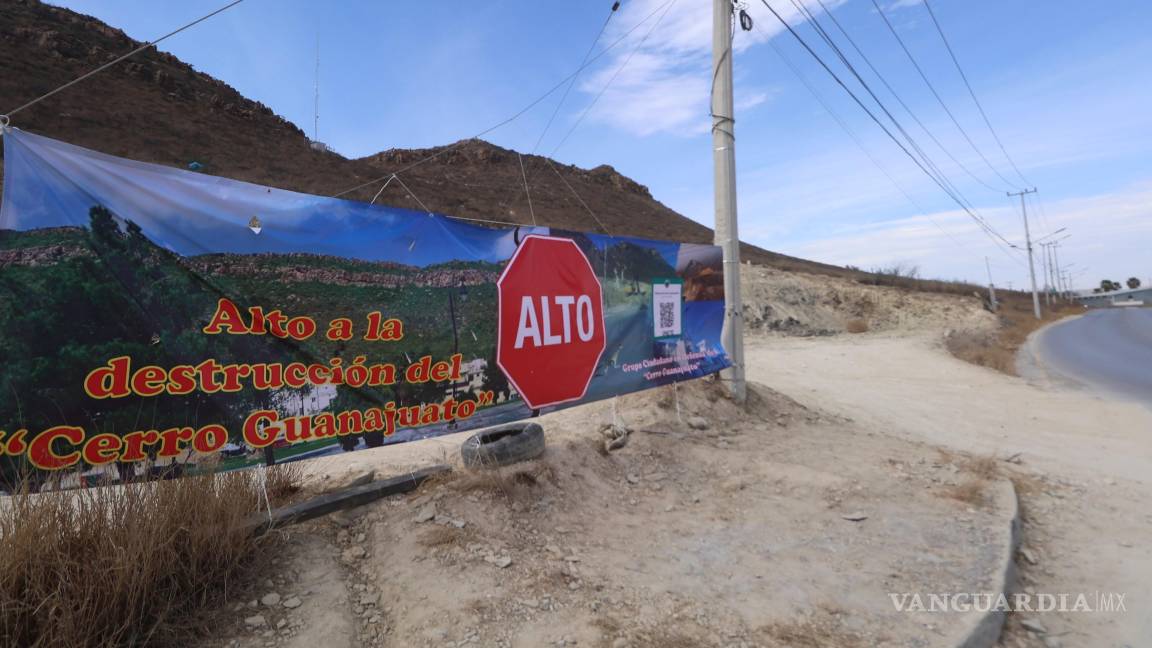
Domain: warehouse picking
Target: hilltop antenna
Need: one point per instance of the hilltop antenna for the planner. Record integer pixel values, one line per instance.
(315, 142)
(316, 109)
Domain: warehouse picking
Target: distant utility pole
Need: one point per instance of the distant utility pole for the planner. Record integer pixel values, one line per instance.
(1046, 271)
(1028, 243)
(991, 286)
(724, 169)
(1056, 261)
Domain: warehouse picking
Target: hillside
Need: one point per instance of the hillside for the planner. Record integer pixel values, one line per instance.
(155, 108)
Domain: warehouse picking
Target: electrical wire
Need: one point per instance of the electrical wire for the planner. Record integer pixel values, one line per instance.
(844, 126)
(8, 115)
(928, 162)
(900, 100)
(936, 94)
(515, 115)
(935, 172)
(972, 93)
(991, 232)
(564, 97)
(592, 104)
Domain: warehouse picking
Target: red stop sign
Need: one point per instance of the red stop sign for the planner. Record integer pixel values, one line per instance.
(551, 324)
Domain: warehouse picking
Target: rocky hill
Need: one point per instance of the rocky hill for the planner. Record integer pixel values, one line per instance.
(155, 108)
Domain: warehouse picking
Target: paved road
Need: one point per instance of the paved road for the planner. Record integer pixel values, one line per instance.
(1107, 349)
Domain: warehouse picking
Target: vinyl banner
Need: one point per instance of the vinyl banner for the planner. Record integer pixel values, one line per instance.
(156, 321)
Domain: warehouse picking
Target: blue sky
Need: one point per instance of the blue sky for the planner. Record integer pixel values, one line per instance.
(1065, 84)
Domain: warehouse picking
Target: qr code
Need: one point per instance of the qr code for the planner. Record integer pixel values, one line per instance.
(667, 317)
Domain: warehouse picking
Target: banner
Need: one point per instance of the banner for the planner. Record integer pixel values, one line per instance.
(156, 321)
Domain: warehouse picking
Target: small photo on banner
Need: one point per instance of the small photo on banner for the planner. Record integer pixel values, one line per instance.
(668, 307)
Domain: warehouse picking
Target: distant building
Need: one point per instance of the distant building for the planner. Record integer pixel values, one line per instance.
(1128, 297)
(320, 146)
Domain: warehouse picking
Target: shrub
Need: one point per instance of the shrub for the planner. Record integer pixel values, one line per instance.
(127, 565)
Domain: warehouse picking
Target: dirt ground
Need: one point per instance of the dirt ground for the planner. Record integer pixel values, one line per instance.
(1087, 462)
(862, 467)
(774, 525)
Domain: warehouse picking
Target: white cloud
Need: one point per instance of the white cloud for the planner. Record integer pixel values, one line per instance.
(902, 4)
(1109, 231)
(662, 81)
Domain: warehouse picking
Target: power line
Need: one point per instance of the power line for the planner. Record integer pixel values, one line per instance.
(936, 94)
(844, 126)
(588, 109)
(900, 100)
(941, 177)
(928, 162)
(515, 115)
(983, 225)
(567, 91)
(6, 116)
(971, 92)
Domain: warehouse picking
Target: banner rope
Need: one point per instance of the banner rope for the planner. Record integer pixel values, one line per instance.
(262, 480)
(578, 198)
(385, 186)
(119, 59)
(523, 110)
(418, 201)
(527, 194)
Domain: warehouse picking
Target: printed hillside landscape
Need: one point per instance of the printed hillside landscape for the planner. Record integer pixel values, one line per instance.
(74, 298)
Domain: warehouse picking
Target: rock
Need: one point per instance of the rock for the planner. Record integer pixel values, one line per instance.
(292, 603)
(270, 599)
(855, 517)
(697, 422)
(632, 479)
(367, 599)
(255, 621)
(281, 623)
(353, 553)
(620, 642)
(499, 561)
(1053, 642)
(1028, 555)
(1033, 626)
(426, 514)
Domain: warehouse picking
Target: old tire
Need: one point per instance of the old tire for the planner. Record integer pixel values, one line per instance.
(503, 445)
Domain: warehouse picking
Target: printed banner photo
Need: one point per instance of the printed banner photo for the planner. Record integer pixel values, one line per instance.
(157, 322)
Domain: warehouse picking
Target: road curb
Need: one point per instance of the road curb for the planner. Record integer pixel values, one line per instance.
(986, 627)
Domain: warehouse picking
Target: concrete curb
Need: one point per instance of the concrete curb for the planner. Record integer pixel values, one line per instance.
(986, 627)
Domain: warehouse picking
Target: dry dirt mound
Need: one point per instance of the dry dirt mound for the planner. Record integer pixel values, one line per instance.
(806, 305)
(723, 526)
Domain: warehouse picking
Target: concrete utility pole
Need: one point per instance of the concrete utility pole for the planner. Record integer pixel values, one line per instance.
(1028, 243)
(724, 164)
(1056, 262)
(1046, 271)
(991, 286)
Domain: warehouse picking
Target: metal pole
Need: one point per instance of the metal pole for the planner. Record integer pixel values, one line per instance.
(1046, 270)
(991, 286)
(1028, 242)
(724, 164)
(1056, 262)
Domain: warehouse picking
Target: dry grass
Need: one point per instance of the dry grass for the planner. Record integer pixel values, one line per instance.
(856, 325)
(442, 536)
(997, 350)
(821, 629)
(973, 491)
(130, 565)
(518, 482)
